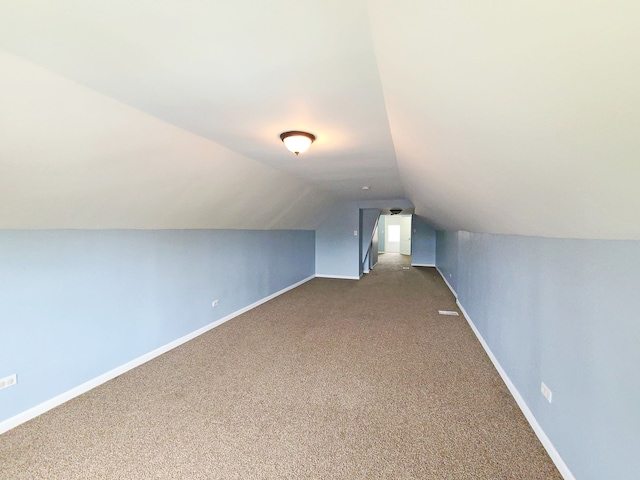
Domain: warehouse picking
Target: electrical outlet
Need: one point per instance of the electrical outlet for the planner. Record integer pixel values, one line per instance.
(8, 381)
(546, 392)
(214, 303)
(355, 233)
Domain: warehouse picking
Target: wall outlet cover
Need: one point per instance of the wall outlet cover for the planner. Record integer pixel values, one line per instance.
(546, 392)
(8, 381)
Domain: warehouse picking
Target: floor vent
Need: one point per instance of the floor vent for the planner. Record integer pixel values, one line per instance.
(448, 312)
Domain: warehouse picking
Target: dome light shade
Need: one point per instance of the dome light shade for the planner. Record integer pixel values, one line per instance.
(297, 142)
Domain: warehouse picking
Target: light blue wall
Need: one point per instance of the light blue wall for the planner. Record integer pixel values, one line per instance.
(75, 304)
(564, 312)
(423, 242)
(337, 249)
(447, 256)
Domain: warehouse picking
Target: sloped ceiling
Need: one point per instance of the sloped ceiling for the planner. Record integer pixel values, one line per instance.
(503, 117)
(516, 117)
(72, 158)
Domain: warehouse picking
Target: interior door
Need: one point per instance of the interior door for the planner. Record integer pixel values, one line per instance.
(405, 235)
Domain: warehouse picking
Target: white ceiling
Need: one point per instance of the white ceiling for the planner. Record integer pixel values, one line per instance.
(496, 116)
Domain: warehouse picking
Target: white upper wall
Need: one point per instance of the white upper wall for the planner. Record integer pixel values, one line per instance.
(496, 117)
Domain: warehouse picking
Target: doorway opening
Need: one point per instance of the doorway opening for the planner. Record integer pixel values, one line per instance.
(393, 239)
(394, 234)
(384, 234)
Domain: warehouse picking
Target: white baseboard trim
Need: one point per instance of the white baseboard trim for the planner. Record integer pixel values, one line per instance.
(544, 439)
(342, 277)
(423, 265)
(33, 412)
(447, 282)
(546, 442)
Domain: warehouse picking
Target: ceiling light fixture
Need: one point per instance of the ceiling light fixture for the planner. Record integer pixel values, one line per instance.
(297, 142)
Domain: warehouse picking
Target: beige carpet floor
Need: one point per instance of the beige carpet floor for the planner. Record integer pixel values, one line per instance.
(336, 379)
